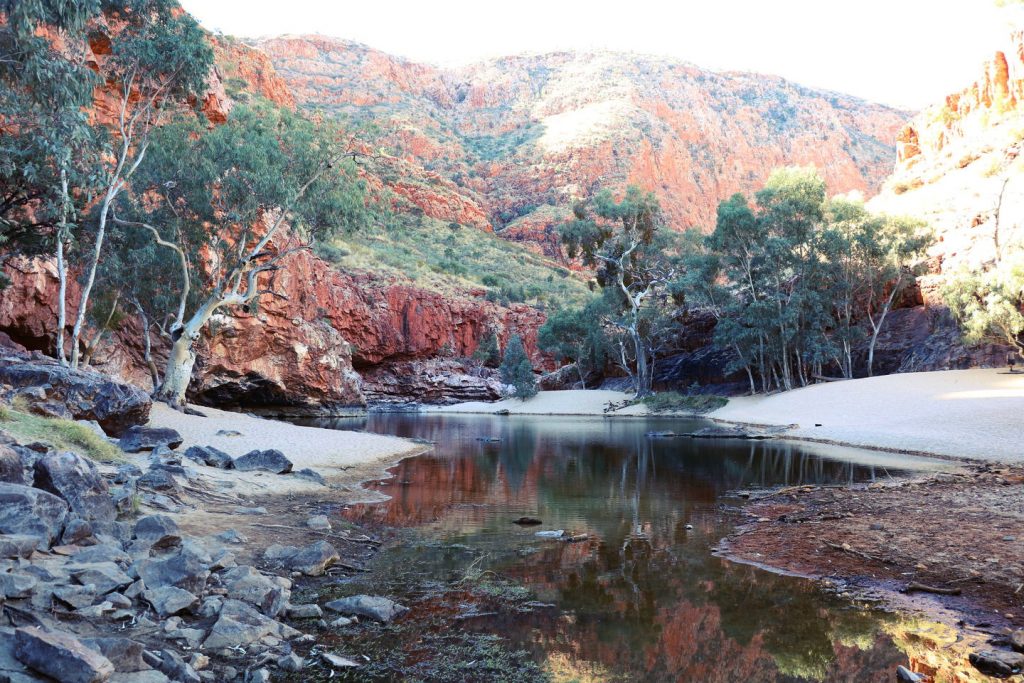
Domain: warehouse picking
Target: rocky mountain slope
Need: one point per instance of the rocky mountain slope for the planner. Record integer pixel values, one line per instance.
(507, 144)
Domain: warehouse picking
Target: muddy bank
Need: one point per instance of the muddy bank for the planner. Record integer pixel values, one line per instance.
(945, 544)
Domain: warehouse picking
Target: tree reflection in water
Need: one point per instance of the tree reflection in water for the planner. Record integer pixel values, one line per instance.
(644, 599)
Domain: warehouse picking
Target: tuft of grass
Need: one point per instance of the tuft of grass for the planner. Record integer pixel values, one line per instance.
(63, 435)
(673, 402)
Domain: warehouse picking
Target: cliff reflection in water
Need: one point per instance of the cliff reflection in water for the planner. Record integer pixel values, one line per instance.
(644, 598)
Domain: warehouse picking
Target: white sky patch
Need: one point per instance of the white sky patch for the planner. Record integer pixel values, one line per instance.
(907, 53)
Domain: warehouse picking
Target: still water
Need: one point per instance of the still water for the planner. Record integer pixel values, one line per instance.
(645, 598)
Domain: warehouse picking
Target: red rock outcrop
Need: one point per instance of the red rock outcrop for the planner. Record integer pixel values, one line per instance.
(523, 132)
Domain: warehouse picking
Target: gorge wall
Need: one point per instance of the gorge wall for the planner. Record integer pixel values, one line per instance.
(517, 139)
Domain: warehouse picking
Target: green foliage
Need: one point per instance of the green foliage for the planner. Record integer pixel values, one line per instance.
(988, 303)
(517, 370)
(577, 335)
(62, 435)
(675, 402)
(797, 283)
(636, 261)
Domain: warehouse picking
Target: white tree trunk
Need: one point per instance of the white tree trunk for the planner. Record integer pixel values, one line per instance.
(62, 277)
(178, 372)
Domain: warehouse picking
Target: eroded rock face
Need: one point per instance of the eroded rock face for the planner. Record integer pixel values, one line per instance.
(521, 132)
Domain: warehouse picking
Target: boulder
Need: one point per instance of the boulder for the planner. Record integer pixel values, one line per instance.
(998, 663)
(159, 480)
(30, 511)
(208, 455)
(186, 569)
(105, 576)
(169, 600)
(249, 585)
(76, 531)
(17, 545)
(17, 585)
(319, 522)
(238, 625)
(292, 663)
(305, 612)
(270, 460)
(76, 596)
(86, 395)
(172, 666)
(311, 560)
(158, 531)
(77, 481)
(311, 475)
(125, 654)
(137, 439)
(12, 469)
(369, 606)
(61, 656)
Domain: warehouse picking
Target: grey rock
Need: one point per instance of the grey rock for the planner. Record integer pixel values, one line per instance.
(249, 585)
(305, 611)
(209, 455)
(76, 531)
(905, 675)
(998, 663)
(257, 676)
(106, 576)
(1016, 640)
(270, 460)
(151, 676)
(17, 585)
(87, 395)
(250, 511)
(311, 475)
(17, 545)
(95, 611)
(186, 568)
(292, 663)
(313, 559)
(76, 596)
(76, 480)
(278, 553)
(211, 606)
(103, 552)
(222, 559)
(126, 473)
(170, 600)
(238, 625)
(12, 469)
(341, 622)
(137, 439)
(369, 606)
(191, 636)
(119, 600)
(159, 480)
(172, 666)
(125, 654)
(319, 522)
(337, 661)
(61, 656)
(231, 536)
(30, 511)
(159, 531)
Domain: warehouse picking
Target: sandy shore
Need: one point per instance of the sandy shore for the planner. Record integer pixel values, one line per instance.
(339, 456)
(977, 414)
(573, 402)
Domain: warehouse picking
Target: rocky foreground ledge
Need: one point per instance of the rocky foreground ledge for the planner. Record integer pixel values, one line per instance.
(161, 565)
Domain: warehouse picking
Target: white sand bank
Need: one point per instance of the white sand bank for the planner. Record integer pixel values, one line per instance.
(337, 455)
(572, 402)
(977, 414)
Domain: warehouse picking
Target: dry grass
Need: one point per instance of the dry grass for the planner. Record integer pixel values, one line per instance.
(63, 435)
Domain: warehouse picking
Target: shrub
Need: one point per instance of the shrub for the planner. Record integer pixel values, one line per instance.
(517, 370)
(63, 435)
(673, 401)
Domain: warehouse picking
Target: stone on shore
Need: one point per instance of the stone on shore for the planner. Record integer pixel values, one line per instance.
(998, 663)
(170, 600)
(60, 656)
(137, 439)
(311, 560)
(369, 606)
(270, 460)
(208, 455)
(29, 511)
(76, 480)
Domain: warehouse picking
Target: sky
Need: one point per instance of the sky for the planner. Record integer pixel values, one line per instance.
(905, 53)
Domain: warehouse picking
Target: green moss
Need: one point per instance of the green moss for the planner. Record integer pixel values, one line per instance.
(673, 401)
(63, 435)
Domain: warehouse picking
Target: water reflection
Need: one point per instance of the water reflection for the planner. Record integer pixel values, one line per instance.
(643, 599)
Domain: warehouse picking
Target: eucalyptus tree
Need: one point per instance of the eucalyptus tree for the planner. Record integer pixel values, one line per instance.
(159, 61)
(226, 207)
(577, 335)
(48, 149)
(625, 241)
